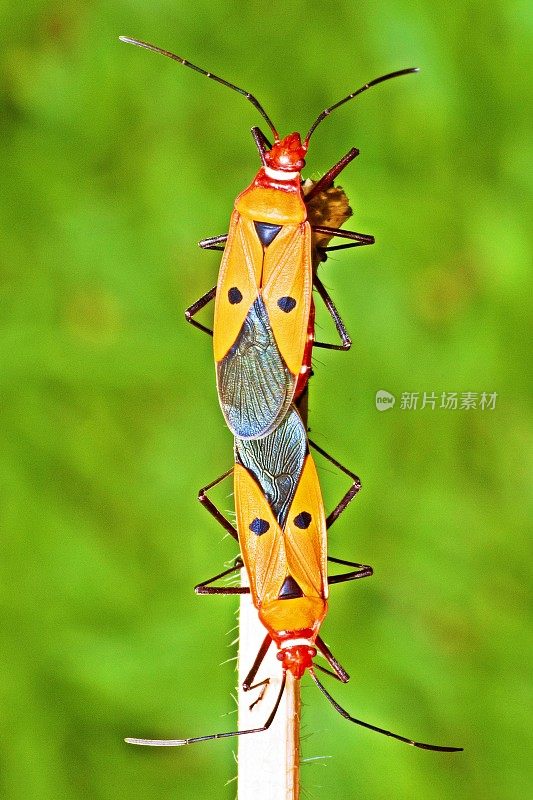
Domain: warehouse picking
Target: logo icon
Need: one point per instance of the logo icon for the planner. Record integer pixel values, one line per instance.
(384, 400)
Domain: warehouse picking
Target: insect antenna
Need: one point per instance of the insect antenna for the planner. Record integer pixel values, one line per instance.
(181, 742)
(347, 716)
(327, 111)
(253, 100)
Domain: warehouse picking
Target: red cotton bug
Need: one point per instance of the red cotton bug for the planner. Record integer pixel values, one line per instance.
(281, 530)
(263, 300)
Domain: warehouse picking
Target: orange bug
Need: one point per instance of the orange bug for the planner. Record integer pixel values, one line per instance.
(281, 530)
(263, 299)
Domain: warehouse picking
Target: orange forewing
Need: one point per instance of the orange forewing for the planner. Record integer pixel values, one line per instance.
(287, 273)
(307, 548)
(263, 556)
(268, 558)
(240, 268)
(283, 270)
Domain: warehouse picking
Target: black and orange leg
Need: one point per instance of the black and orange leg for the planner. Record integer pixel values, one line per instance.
(357, 240)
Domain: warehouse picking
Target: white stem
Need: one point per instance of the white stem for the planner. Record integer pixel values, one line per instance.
(269, 761)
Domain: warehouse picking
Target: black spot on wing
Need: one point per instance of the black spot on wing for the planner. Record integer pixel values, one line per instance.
(259, 526)
(266, 232)
(286, 304)
(255, 387)
(303, 520)
(290, 589)
(234, 295)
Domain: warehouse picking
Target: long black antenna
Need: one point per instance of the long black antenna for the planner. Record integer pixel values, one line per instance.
(347, 716)
(253, 100)
(327, 111)
(181, 742)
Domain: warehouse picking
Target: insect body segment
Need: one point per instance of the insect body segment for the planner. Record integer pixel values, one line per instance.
(282, 532)
(263, 296)
(262, 311)
(263, 308)
(281, 529)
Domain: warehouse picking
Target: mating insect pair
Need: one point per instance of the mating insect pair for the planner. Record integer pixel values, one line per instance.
(263, 335)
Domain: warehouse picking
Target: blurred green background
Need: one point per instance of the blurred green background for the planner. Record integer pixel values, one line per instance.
(114, 163)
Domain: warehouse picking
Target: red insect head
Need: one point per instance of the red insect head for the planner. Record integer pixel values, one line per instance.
(297, 659)
(288, 154)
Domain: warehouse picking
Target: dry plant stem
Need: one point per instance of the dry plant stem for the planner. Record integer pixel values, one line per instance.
(269, 761)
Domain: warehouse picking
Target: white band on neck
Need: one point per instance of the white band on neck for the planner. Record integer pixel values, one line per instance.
(294, 643)
(280, 175)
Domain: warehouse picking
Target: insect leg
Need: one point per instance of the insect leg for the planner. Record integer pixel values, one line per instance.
(247, 685)
(340, 672)
(340, 247)
(347, 716)
(326, 671)
(361, 571)
(336, 317)
(212, 242)
(196, 307)
(181, 742)
(362, 238)
(326, 180)
(205, 586)
(247, 682)
(350, 494)
(213, 510)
